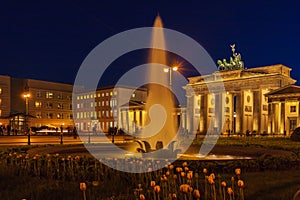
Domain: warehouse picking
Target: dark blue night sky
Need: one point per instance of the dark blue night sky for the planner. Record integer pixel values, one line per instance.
(49, 41)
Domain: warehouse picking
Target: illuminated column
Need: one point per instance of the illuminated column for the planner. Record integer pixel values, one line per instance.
(239, 112)
(298, 121)
(282, 118)
(278, 118)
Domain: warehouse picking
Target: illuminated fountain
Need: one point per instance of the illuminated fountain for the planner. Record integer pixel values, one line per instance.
(161, 126)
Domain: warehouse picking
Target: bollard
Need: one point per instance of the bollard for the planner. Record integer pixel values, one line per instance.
(28, 135)
(61, 138)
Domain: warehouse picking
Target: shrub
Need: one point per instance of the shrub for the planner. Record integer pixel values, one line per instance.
(296, 135)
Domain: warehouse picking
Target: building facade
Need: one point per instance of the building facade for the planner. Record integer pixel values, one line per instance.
(49, 103)
(100, 110)
(241, 107)
(284, 107)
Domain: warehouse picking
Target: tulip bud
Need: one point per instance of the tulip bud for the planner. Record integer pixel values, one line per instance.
(82, 186)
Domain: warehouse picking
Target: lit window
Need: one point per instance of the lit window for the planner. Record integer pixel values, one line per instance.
(102, 94)
(59, 96)
(293, 123)
(60, 106)
(107, 103)
(78, 115)
(133, 95)
(70, 116)
(38, 94)
(107, 113)
(70, 106)
(49, 115)
(102, 103)
(78, 97)
(0, 102)
(92, 104)
(38, 104)
(95, 96)
(115, 93)
(60, 116)
(293, 109)
(81, 97)
(106, 94)
(49, 95)
(99, 113)
(99, 94)
(0, 90)
(38, 115)
(0, 112)
(78, 105)
(110, 93)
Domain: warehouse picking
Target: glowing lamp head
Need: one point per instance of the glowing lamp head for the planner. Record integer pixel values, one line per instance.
(166, 70)
(26, 95)
(175, 68)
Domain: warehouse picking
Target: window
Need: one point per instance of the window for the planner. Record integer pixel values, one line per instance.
(78, 105)
(38, 115)
(107, 103)
(92, 104)
(38, 104)
(59, 96)
(293, 109)
(0, 90)
(78, 97)
(60, 116)
(102, 94)
(110, 93)
(133, 95)
(70, 106)
(106, 94)
(49, 95)
(49, 115)
(78, 115)
(69, 97)
(70, 116)
(102, 103)
(107, 115)
(60, 106)
(49, 105)
(293, 123)
(0, 112)
(98, 94)
(38, 94)
(0, 102)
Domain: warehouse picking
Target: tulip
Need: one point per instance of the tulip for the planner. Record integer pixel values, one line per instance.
(223, 184)
(238, 171)
(204, 171)
(82, 186)
(184, 188)
(152, 184)
(157, 188)
(241, 184)
(197, 194)
(142, 197)
(184, 164)
(229, 191)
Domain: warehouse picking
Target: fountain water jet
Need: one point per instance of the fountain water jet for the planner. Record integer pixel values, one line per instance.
(159, 94)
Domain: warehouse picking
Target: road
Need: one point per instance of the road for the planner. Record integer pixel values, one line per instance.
(39, 140)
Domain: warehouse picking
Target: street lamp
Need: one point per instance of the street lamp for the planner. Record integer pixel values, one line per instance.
(170, 70)
(26, 96)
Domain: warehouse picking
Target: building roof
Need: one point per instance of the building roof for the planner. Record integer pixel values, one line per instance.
(287, 90)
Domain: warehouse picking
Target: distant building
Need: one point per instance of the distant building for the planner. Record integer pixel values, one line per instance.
(49, 104)
(100, 110)
(284, 109)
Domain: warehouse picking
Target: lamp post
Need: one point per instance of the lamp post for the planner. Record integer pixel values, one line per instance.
(170, 70)
(26, 96)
